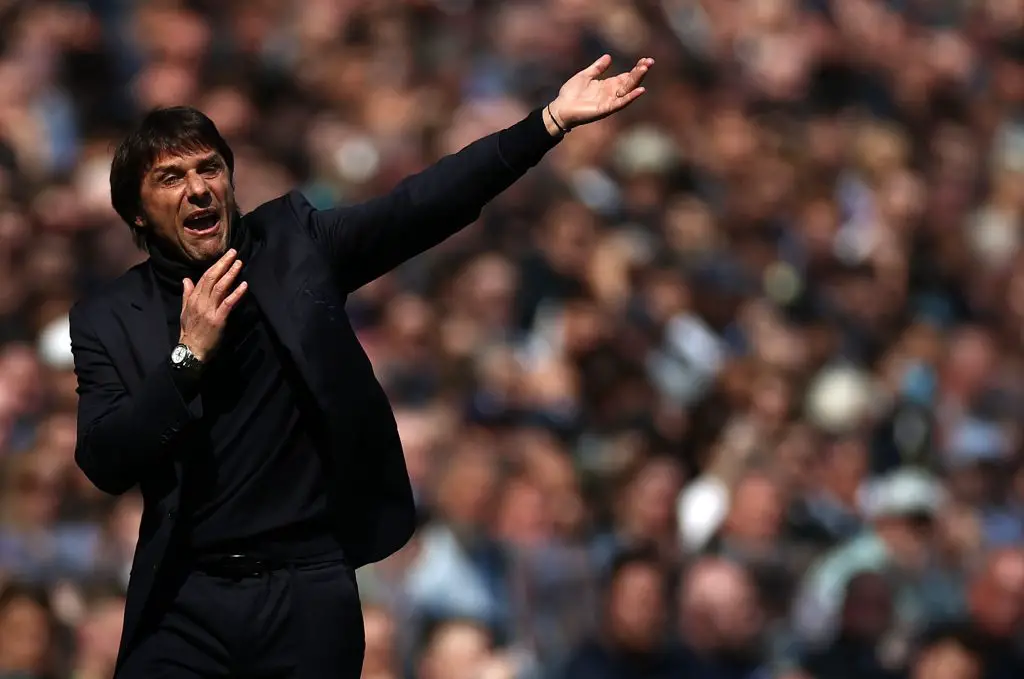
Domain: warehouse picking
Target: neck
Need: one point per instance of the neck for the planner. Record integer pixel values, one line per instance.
(171, 265)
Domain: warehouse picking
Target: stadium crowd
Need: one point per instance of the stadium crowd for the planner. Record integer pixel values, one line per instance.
(730, 387)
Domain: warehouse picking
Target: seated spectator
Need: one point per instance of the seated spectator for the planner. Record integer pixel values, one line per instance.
(858, 651)
(721, 622)
(630, 642)
(950, 653)
(27, 634)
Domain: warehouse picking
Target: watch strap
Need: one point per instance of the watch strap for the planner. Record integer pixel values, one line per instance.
(186, 373)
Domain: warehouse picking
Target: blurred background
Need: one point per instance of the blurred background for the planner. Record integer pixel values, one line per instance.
(729, 387)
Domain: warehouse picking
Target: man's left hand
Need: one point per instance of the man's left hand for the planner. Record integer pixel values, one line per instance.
(584, 98)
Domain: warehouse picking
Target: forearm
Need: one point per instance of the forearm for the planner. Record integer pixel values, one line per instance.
(466, 181)
(525, 143)
(555, 128)
(371, 238)
(120, 440)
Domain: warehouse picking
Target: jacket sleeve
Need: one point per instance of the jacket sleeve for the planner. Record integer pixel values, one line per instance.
(122, 435)
(366, 240)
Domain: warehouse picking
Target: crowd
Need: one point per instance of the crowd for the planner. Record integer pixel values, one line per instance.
(729, 387)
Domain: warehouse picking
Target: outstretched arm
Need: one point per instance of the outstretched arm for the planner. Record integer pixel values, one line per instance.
(366, 240)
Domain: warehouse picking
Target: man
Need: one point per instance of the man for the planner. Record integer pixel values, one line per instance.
(721, 622)
(901, 510)
(223, 378)
(995, 613)
(859, 650)
(631, 643)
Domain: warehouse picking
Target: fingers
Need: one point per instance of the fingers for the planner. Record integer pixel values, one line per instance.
(599, 66)
(188, 287)
(221, 287)
(620, 103)
(231, 300)
(214, 273)
(635, 76)
(640, 71)
(625, 101)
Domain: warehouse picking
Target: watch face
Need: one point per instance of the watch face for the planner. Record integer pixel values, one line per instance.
(178, 355)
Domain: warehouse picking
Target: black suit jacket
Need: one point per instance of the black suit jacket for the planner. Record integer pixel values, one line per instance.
(133, 423)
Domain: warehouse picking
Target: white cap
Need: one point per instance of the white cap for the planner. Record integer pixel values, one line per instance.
(903, 492)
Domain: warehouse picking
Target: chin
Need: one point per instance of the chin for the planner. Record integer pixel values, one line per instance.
(203, 246)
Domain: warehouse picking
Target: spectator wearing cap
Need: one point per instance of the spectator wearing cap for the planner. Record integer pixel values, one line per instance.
(901, 509)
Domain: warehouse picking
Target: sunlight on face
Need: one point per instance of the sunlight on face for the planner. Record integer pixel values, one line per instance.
(187, 201)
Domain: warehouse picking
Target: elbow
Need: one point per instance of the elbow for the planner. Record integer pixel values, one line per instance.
(106, 475)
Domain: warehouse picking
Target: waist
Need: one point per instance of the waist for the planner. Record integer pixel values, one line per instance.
(311, 542)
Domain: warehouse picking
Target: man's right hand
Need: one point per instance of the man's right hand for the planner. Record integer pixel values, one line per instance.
(205, 305)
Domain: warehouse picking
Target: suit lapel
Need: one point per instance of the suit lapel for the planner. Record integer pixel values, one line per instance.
(275, 277)
(145, 323)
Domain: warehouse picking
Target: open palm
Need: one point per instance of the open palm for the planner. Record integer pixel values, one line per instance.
(585, 98)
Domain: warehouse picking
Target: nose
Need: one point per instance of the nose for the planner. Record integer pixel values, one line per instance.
(196, 185)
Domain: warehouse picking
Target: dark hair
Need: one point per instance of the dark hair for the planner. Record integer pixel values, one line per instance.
(643, 554)
(17, 591)
(175, 129)
(959, 633)
(432, 624)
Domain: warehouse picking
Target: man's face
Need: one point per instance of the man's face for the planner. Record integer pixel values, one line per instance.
(187, 202)
(867, 610)
(637, 607)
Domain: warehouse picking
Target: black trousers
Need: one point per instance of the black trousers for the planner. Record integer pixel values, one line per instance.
(300, 622)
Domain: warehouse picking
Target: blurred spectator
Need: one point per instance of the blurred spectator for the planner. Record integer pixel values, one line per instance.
(381, 661)
(722, 622)
(767, 324)
(902, 508)
(27, 633)
(995, 612)
(857, 650)
(462, 650)
(98, 637)
(631, 641)
(951, 654)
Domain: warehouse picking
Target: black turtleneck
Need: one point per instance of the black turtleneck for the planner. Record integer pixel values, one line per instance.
(253, 478)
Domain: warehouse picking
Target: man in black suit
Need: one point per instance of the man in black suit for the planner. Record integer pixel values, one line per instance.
(222, 377)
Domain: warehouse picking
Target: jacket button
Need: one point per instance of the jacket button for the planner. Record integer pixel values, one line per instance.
(172, 514)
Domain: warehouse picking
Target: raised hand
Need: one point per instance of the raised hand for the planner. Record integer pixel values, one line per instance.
(205, 305)
(584, 98)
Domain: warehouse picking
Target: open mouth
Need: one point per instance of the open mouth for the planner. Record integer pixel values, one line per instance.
(202, 221)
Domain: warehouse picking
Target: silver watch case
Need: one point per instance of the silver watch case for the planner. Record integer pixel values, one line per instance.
(183, 358)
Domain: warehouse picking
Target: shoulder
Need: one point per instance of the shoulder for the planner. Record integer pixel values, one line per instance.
(834, 570)
(108, 295)
(292, 208)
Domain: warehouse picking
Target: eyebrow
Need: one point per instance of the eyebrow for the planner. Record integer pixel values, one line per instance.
(170, 167)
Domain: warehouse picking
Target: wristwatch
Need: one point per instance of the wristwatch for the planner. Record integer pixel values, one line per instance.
(183, 359)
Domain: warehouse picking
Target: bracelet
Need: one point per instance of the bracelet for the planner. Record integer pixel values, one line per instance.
(555, 120)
